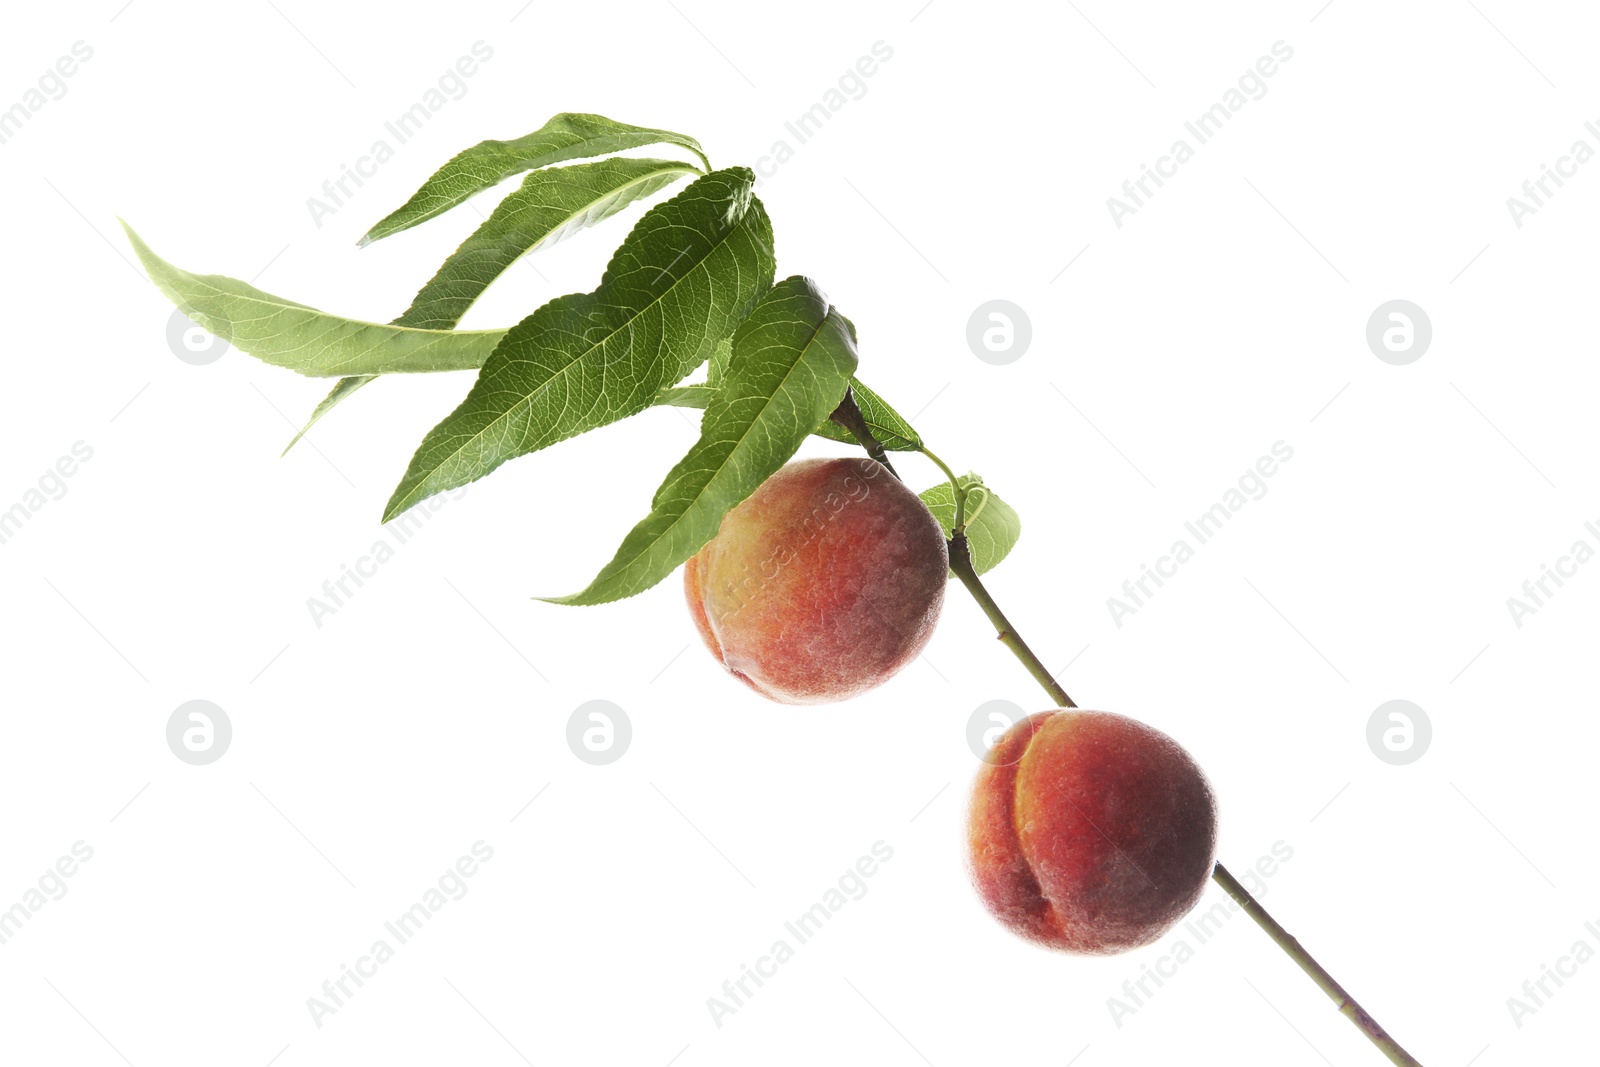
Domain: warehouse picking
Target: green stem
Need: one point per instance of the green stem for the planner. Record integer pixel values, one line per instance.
(983, 502)
(959, 526)
(961, 566)
(1344, 1001)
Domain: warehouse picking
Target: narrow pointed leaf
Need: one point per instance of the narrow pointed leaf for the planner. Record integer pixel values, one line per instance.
(993, 526)
(792, 360)
(549, 205)
(697, 395)
(690, 269)
(342, 389)
(487, 163)
(289, 334)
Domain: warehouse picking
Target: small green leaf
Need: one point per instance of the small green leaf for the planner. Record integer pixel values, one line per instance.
(892, 431)
(690, 269)
(686, 396)
(288, 334)
(549, 205)
(343, 388)
(992, 525)
(487, 163)
(792, 360)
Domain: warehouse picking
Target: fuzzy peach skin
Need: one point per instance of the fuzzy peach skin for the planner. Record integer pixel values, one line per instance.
(823, 583)
(1090, 832)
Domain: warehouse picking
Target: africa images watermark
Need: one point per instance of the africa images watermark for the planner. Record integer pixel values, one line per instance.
(1200, 927)
(336, 992)
(1202, 128)
(1537, 190)
(52, 885)
(1566, 567)
(52, 485)
(1202, 528)
(336, 191)
(851, 885)
(851, 85)
(734, 595)
(1536, 992)
(402, 528)
(52, 85)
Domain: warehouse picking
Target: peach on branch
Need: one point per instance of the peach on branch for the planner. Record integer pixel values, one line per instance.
(1090, 832)
(822, 584)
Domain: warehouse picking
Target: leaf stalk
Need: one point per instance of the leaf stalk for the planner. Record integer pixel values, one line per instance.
(848, 415)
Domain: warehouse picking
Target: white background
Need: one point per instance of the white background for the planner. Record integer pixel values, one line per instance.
(1226, 315)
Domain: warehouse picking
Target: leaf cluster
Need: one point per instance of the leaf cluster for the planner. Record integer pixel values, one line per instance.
(691, 286)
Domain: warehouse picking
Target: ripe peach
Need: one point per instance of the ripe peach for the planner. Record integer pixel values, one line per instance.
(823, 583)
(1090, 832)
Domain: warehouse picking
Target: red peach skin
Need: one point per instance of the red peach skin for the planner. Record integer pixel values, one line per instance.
(1090, 832)
(822, 584)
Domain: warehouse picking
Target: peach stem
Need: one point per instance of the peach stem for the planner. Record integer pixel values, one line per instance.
(961, 564)
(961, 567)
(850, 417)
(1344, 1001)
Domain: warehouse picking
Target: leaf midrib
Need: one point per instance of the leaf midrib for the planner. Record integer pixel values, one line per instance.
(669, 167)
(410, 498)
(524, 163)
(282, 304)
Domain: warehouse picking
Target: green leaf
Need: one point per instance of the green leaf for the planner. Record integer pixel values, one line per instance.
(487, 163)
(718, 363)
(792, 360)
(892, 431)
(288, 334)
(992, 525)
(686, 396)
(548, 206)
(887, 426)
(343, 388)
(690, 269)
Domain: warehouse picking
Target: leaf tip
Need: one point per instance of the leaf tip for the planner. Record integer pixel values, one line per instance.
(394, 508)
(582, 599)
(147, 256)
